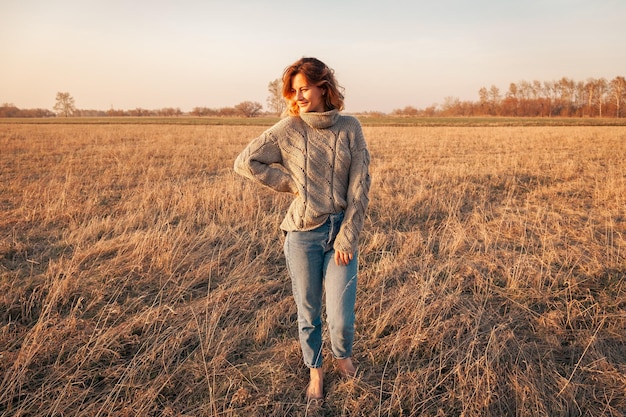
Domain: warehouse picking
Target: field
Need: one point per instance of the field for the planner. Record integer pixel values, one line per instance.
(139, 276)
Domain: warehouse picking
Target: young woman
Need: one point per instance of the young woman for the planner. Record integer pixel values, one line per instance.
(320, 156)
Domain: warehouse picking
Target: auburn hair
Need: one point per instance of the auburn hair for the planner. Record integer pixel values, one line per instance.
(317, 73)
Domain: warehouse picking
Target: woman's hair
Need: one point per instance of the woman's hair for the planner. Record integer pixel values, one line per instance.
(318, 74)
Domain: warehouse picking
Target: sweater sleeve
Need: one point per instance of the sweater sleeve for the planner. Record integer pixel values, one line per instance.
(357, 197)
(261, 161)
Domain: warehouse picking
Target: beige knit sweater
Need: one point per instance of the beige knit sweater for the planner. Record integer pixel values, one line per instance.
(321, 158)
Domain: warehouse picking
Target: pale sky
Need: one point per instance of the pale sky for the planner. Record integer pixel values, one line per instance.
(387, 55)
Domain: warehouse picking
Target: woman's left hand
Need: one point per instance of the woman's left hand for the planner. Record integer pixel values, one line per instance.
(342, 258)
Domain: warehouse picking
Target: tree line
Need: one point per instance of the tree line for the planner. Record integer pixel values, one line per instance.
(561, 98)
(10, 110)
(65, 107)
(241, 110)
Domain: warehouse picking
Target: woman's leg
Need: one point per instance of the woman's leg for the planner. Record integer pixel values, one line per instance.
(305, 261)
(341, 284)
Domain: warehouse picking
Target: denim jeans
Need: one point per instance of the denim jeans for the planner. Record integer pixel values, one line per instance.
(311, 265)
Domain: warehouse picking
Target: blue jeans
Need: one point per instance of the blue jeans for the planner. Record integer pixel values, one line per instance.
(311, 265)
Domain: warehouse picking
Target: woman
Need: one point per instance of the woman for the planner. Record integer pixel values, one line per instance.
(320, 156)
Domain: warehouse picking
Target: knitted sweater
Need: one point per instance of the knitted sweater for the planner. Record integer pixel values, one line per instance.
(322, 159)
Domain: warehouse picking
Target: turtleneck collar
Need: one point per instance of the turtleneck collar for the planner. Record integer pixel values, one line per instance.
(320, 120)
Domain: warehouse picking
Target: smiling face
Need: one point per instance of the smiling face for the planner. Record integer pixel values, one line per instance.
(310, 98)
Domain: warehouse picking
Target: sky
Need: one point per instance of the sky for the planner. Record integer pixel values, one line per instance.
(128, 54)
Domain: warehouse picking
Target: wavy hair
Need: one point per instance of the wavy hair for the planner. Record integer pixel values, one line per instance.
(317, 73)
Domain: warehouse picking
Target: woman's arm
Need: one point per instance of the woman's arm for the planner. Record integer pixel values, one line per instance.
(357, 197)
(261, 161)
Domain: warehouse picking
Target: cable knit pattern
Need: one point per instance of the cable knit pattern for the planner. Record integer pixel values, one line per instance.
(322, 159)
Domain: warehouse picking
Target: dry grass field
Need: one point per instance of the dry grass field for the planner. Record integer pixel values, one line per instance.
(139, 276)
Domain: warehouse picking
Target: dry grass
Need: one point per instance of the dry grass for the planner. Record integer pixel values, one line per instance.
(140, 276)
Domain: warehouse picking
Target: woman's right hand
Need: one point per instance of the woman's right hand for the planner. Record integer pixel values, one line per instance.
(342, 258)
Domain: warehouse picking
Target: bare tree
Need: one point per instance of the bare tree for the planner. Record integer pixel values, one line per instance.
(581, 95)
(450, 106)
(64, 104)
(601, 90)
(549, 91)
(483, 95)
(618, 91)
(169, 112)
(249, 108)
(590, 94)
(566, 89)
(275, 101)
(510, 105)
(494, 99)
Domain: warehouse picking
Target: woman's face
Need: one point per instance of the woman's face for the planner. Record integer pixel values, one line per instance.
(310, 98)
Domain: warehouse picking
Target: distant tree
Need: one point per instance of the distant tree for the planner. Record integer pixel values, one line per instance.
(430, 111)
(275, 101)
(567, 90)
(9, 110)
(64, 104)
(115, 112)
(618, 91)
(249, 108)
(40, 113)
(229, 112)
(494, 99)
(483, 97)
(590, 89)
(406, 111)
(510, 103)
(536, 91)
(169, 112)
(601, 91)
(450, 106)
(203, 111)
(489, 100)
(373, 114)
(139, 112)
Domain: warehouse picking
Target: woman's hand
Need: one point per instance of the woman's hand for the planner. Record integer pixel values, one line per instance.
(342, 258)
